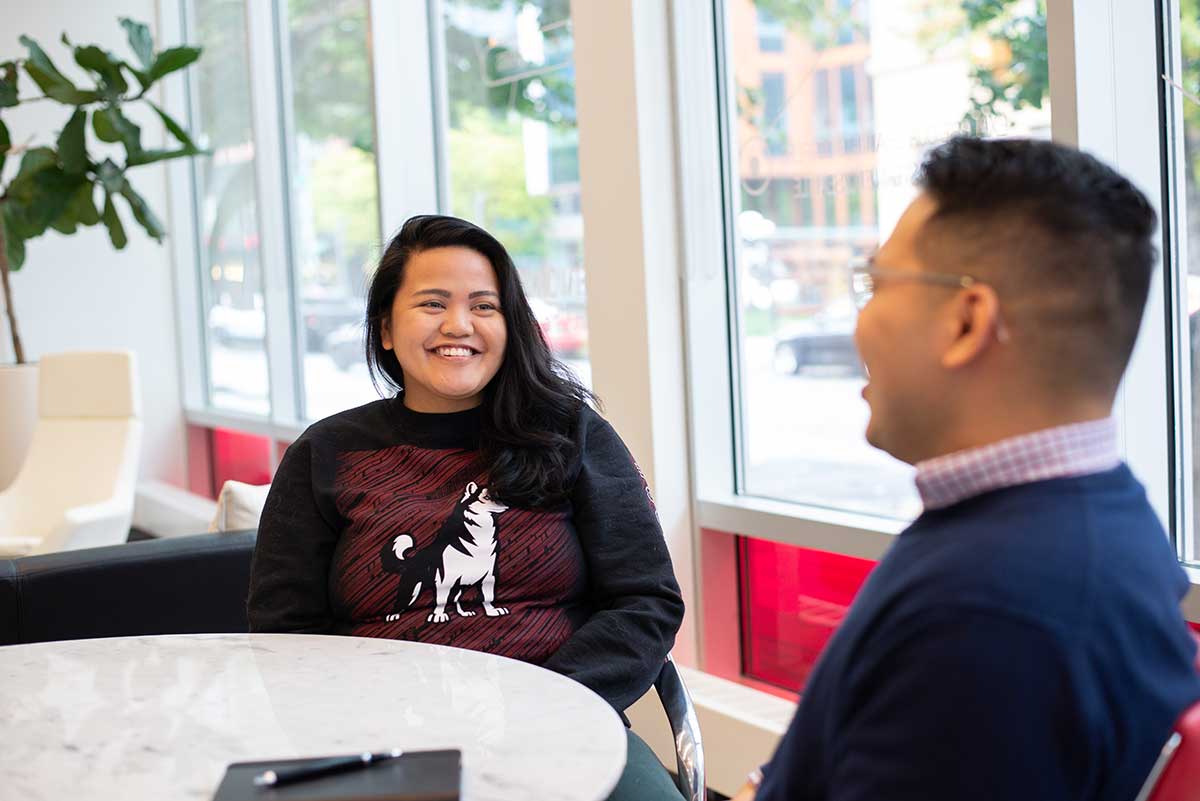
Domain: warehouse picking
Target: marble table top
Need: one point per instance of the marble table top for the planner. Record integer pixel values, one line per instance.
(160, 717)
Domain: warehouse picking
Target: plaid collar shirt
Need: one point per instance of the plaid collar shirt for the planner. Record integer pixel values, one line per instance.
(1064, 451)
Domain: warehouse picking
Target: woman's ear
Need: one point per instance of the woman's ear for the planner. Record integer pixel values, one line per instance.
(385, 333)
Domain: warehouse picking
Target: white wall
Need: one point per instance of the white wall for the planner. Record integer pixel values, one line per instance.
(77, 292)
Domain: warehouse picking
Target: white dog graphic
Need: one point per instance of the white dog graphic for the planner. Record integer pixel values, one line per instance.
(462, 555)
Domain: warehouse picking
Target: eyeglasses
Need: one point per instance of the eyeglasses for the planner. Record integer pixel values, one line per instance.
(863, 278)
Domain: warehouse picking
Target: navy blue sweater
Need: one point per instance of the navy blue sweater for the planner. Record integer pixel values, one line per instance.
(1023, 644)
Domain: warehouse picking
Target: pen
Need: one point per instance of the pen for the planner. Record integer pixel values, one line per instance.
(323, 767)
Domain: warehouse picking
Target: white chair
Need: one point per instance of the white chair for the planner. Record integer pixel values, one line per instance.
(75, 488)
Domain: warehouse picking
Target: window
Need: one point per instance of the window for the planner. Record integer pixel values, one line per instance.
(319, 155)
(829, 195)
(771, 34)
(512, 151)
(227, 216)
(823, 117)
(798, 385)
(1183, 245)
(775, 121)
(334, 195)
(804, 198)
(846, 19)
(853, 200)
(849, 81)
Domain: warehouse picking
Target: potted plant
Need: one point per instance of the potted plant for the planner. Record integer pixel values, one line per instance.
(76, 180)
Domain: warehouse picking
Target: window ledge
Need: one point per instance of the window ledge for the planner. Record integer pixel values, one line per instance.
(849, 533)
(248, 424)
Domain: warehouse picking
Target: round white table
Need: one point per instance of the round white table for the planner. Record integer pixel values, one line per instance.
(160, 717)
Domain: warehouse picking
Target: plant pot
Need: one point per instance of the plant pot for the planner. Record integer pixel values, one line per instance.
(18, 413)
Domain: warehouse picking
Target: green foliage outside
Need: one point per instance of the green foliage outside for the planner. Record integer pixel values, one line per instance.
(486, 146)
(488, 180)
(331, 86)
(56, 185)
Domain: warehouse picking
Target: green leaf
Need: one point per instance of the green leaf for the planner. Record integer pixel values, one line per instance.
(37, 196)
(175, 128)
(143, 214)
(113, 126)
(106, 66)
(8, 84)
(112, 177)
(169, 61)
(152, 156)
(52, 82)
(14, 245)
(140, 41)
(79, 210)
(64, 224)
(72, 150)
(83, 205)
(35, 160)
(5, 144)
(116, 231)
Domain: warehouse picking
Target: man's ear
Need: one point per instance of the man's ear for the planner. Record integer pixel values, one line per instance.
(974, 319)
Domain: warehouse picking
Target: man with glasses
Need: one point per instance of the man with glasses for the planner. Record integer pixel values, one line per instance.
(1022, 639)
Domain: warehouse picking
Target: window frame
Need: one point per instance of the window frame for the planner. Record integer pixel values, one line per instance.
(405, 184)
(1099, 102)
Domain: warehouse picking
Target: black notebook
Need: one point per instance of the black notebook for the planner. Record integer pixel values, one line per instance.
(414, 776)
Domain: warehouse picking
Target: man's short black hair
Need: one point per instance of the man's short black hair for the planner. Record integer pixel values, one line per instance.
(1066, 241)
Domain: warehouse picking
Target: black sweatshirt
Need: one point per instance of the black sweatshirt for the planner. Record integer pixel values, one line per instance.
(379, 524)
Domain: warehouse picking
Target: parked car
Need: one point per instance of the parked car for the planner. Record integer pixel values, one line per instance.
(565, 329)
(231, 326)
(345, 345)
(322, 315)
(825, 340)
(567, 333)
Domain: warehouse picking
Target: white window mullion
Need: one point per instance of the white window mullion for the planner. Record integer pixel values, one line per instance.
(402, 78)
(705, 296)
(1176, 245)
(274, 251)
(1105, 82)
(174, 28)
(706, 287)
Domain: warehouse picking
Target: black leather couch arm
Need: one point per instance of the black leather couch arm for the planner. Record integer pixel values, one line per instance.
(181, 585)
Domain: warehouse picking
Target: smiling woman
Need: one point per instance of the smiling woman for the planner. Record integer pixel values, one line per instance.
(485, 505)
(446, 329)
(444, 282)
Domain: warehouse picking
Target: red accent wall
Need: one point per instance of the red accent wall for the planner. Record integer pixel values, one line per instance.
(240, 457)
(792, 600)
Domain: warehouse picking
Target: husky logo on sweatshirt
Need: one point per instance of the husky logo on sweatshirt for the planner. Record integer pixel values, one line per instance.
(461, 556)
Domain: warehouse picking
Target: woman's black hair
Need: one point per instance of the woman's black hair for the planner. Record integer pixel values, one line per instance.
(529, 406)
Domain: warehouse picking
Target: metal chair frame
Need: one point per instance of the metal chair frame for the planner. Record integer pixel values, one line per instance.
(685, 726)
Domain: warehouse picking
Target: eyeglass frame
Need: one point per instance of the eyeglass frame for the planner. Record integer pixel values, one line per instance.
(868, 269)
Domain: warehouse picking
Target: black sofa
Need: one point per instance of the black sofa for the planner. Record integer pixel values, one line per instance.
(184, 585)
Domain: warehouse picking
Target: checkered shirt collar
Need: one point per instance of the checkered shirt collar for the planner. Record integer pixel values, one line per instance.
(1076, 449)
